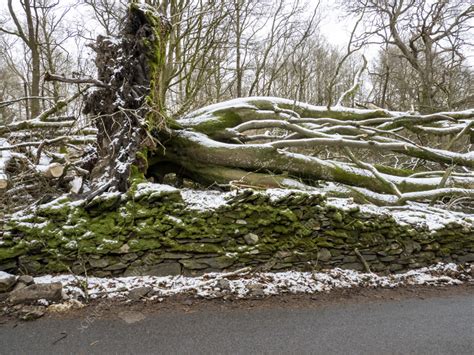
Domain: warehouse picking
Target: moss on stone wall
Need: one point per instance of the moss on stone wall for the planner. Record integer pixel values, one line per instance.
(157, 232)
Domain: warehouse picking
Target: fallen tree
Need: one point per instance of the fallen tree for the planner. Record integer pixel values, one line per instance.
(376, 156)
(228, 142)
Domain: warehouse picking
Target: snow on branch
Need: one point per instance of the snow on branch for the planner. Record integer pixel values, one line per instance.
(355, 86)
(63, 79)
(394, 157)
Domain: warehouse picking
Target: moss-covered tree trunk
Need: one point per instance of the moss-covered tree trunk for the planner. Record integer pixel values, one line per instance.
(272, 142)
(126, 108)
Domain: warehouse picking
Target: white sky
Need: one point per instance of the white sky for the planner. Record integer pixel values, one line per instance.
(337, 28)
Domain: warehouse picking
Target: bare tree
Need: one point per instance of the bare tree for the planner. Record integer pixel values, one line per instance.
(429, 35)
(10, 89)
(192, 51)
(393, 81)
(36, 48)
(108, 13)
(30, 36)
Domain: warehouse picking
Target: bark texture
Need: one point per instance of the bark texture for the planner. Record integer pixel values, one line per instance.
(122, 108)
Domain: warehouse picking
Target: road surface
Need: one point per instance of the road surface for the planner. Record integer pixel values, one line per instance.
(436, 325)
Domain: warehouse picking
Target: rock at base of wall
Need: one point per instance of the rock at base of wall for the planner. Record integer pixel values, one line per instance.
(7, 281)
(50, 292)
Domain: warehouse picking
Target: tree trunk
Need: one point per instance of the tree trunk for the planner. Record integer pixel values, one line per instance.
(128, 108)
(35, 61)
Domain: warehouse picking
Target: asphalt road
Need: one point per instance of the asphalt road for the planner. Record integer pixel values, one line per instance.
(409, 326)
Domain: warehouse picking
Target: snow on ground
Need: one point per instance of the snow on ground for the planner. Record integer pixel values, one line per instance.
(243, 283)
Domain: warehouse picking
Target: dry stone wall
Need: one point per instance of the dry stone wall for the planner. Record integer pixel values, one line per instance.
(157, 231)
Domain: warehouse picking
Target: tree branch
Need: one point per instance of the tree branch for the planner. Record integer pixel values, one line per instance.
(53, 77)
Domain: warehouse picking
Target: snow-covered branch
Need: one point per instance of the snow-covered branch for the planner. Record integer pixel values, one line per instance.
(63, 79)
(285, 137)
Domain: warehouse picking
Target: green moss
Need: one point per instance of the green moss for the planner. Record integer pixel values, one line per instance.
(144, 244)
(344, 176)
(87, 246)
(139, 167)
(191, 246)
(223, 119)
(56, 266)
(11, 252)
(58, 208)
(338, 233)
(323, 242)
(372, 239)
(153, 47)
(105, 225)
(393, 171)
(337, 217)
(155, 52)
(281, 229)
(137, 175)
(287, 213)
(102, 203)
(291, 228)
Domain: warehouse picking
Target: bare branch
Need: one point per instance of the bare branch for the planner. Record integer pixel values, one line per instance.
(52, 77)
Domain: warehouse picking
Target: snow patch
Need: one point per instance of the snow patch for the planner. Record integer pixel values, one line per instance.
(277, 195)
(434, 219)
(205, 200)
(414, 214)
(148, 188)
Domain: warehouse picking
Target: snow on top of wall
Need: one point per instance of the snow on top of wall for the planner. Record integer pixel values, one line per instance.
(414, 214)
(205, 200)
(195, 199)
(279, 194)
(148, 188)
(433, 219)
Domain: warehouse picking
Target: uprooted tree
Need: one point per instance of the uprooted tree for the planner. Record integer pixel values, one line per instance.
(376, 156)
